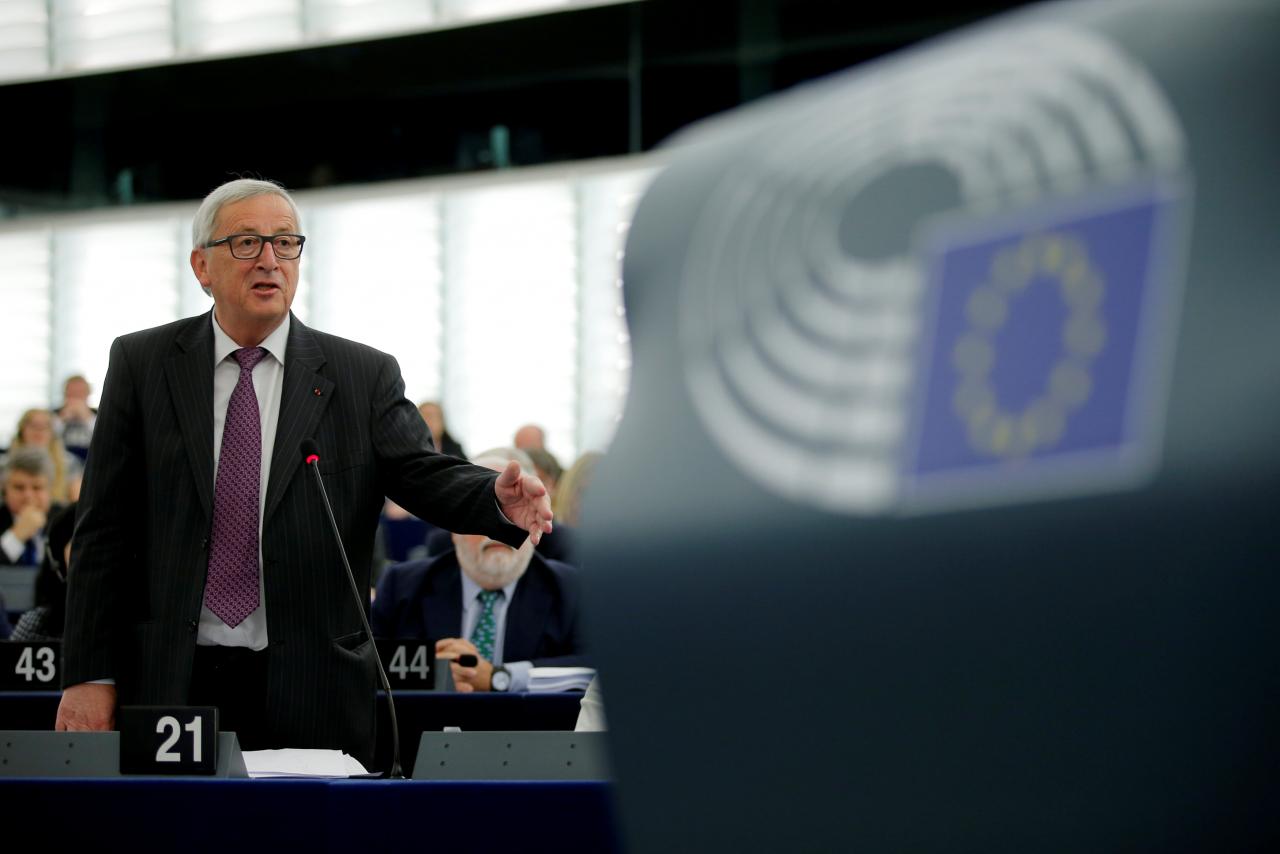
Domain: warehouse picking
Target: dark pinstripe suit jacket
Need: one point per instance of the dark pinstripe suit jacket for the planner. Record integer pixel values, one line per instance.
(140, 560)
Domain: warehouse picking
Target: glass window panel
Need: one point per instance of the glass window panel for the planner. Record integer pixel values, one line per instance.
(473, 10)
(24, 38)
(511, 344)
(25, 303)
(229, 26)
(345, 18)
(110, 279)
(608, 202)
(375, 264)
(101, 33)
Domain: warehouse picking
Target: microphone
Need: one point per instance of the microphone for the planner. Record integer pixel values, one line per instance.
(310, 456)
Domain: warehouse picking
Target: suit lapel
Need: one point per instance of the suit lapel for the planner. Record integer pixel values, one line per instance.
(189, 373)
(527, 614)
(442, 606)
(303, 398)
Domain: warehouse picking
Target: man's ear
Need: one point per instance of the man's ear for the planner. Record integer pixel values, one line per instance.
(200, 266)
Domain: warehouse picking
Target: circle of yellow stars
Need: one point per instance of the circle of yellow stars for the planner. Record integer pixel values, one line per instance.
(990, 428)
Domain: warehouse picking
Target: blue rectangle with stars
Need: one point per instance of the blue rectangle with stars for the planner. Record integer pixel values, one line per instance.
(1041, 337)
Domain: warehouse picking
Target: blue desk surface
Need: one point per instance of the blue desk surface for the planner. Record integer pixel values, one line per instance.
(311, 816)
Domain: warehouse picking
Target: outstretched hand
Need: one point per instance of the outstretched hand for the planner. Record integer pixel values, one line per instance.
(524, 501)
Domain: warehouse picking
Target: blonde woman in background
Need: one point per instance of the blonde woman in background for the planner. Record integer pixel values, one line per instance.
(567, 504)
(35, 430)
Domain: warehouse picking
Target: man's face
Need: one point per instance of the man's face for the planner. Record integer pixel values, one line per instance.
(76, 390)
(528, 437)
(251, 297)
(23, 490)
(489, 563)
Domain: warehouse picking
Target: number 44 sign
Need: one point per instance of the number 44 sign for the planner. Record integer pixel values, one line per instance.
(408, 663)
(168, 739)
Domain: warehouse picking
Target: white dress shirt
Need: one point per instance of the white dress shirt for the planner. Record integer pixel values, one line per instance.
(519, 670)
(268, 382)
(14, 547)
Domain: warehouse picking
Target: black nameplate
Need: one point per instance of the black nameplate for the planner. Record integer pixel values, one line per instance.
(168, 739)
(30, 665)
(409, 663)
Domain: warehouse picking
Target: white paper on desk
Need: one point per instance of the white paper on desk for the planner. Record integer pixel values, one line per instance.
(302, 762)
(551, 679)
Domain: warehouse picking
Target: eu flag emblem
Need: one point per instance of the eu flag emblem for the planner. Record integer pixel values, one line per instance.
(1041, 366)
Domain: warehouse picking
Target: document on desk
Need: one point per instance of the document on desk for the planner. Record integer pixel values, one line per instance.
(554, 679)
(302, 762)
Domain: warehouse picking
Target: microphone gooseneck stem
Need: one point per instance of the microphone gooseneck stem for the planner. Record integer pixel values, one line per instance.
(396, 773)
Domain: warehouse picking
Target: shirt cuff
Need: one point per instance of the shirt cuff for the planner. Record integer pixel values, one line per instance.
(495, 504)
(519, 671)
(13, 547)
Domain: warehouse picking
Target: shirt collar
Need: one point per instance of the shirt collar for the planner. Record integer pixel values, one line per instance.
(275, 343)
(470, 590)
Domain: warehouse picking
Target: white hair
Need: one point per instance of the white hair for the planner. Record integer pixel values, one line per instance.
(502, 456)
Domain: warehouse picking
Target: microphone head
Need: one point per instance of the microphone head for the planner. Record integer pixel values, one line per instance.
(310, 451)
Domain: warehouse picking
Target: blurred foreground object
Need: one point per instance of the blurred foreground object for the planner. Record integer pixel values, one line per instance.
(969, 465)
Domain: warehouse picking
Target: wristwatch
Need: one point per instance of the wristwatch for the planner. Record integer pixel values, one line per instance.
(500, 680)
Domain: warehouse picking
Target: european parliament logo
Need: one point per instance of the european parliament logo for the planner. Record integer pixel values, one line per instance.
(1044, 369)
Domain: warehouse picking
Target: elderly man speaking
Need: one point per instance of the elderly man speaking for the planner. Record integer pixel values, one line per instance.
(203, 571)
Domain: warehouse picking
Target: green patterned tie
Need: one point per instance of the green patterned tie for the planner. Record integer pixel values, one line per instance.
(482, 634)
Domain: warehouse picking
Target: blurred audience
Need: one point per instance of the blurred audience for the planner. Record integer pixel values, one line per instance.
(511, 608)
(433, 414)
(567, 504)
(35, 430)
(530, 436)
(403, 535)
(27, 473)
(547, 467)
(45, 620)
(75, 417)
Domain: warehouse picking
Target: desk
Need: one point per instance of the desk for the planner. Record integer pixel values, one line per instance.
(310, 816)
(416, 710)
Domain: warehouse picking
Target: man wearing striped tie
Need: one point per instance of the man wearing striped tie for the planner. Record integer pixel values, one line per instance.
(204, 571)
(509, 607)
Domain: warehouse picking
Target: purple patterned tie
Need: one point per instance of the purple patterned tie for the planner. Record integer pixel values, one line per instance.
(231, 591)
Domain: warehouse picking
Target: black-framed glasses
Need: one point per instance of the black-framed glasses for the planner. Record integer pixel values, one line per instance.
(246, 247)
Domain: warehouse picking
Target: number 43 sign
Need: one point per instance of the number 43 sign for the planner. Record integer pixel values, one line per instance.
(29, 666)
(168, 739)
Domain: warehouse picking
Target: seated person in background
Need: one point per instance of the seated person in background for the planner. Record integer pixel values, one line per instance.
(511, 608)
(530, 436)
(45, 620)
(433, 414)
(27, 473)
(75, 417)
(35, 430)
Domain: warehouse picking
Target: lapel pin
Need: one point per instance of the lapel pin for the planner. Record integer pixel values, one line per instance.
(316, 391)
